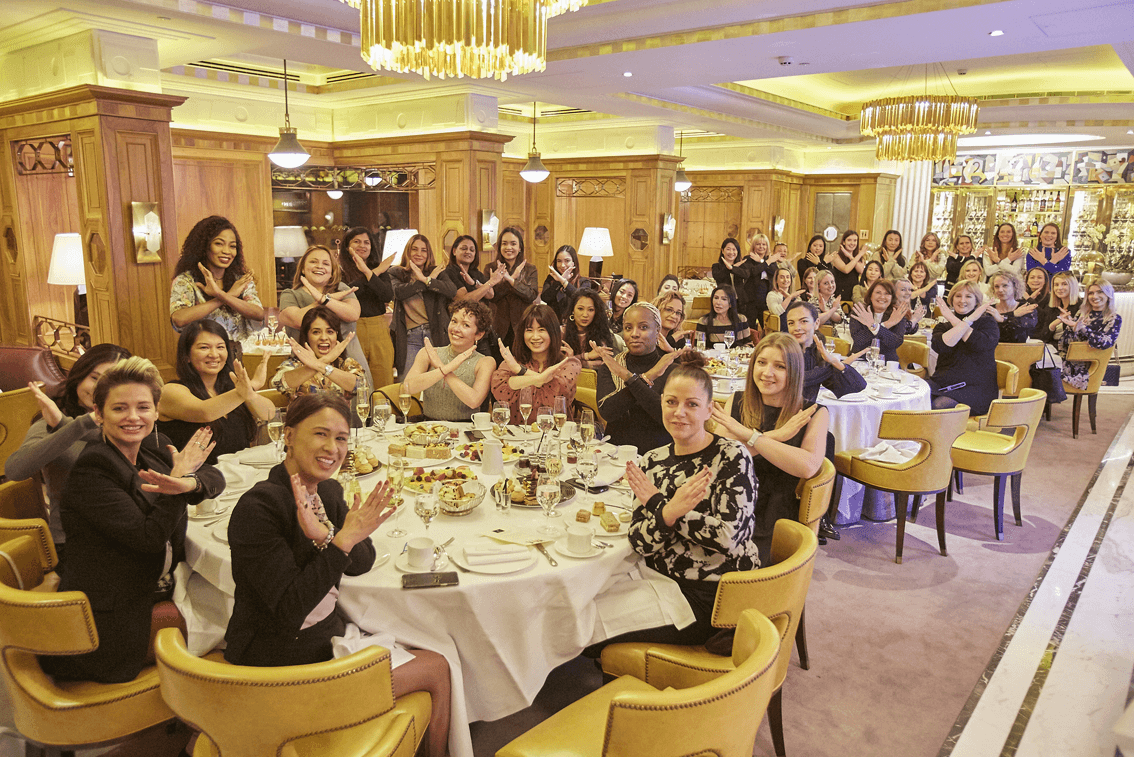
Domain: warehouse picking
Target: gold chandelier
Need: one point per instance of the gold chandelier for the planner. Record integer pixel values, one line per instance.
(919, 127)
(480, 39)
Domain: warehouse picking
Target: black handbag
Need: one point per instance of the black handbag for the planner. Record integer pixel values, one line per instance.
(1048, 377)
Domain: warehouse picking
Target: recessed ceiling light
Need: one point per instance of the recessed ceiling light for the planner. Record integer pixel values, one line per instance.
(988, 132)
(996, 33)
(1024, 139)
(627, 73)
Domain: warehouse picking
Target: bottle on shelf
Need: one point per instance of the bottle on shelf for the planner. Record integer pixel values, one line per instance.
(1015, 201)
(1043, 202)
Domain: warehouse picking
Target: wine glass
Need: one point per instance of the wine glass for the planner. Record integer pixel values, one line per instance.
(501, 414)
(875, 350)
(587, 468)
(273, 322)
(396, 471)
(427, 506)
(404, 398)
(362, 403)
(729, 337)
(381, 416)
(545, 419)
(526, 403)
(275, 431)
(547, 494)
(559, 413)
(700, 337)
(587, 426)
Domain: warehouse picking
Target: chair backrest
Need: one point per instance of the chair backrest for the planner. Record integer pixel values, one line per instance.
(931, 468)
(842, 346)
(20, 364)
(1007, 378)
(48, 624)
(1023, 356)
(278, 398)
(22, 499)
(37, 530)
(701, 305)
(391, 392)
(588, 378)
(720, 717)
(17, 408)
(916, 352)
(815, 495)
(771, 322)
(589, 397)
(1083, 352)
(778, 589)
(253, 711)
(1023, 414)
(827, 331)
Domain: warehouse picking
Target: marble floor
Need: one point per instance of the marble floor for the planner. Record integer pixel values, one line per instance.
(1062, 675)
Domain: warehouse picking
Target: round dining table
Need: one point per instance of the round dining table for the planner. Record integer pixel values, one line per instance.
(502, 630)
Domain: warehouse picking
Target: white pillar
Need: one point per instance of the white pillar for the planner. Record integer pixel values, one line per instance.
(912, 203)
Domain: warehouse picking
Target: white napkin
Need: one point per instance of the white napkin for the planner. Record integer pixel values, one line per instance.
(353, 640)
(264, 455)
(488, 554)
(896, 452)
(852, 396)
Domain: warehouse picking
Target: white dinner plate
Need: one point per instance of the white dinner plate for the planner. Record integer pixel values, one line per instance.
(402, 564)
(457, 553)
(905, 389)
(381, 559)
(220, 532)
(561, 547)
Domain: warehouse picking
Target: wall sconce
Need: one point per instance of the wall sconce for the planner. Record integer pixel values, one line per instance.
(489, 228)
(668, 228)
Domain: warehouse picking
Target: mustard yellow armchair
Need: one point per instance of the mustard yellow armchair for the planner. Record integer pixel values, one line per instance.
(17, 409)
(1023, 356)
(1096, 365)
(392, 392)
(40, 534)
(66, 714)
(916, 352)
(630, 716)
(22, 499)
(778, 590)
(814, 500)
(340, 708)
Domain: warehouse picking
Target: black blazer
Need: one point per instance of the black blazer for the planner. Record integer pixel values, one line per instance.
(116, 548)
(280, 576)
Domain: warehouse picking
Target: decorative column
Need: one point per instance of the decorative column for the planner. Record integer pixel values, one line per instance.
(912, 203)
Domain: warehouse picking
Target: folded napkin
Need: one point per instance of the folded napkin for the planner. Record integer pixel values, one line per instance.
(853, 396)
(264, 455)
(488, 554)
(354, 640)
(896, 452)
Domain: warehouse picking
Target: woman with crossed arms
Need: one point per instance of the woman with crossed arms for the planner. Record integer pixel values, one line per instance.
(454, 379)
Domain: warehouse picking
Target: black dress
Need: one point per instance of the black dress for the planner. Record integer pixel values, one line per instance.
(1017, 330)
(889, 338)
(845, 282)
(775, 492)
(953, 266)
(818, 372)
(756, 289)
(970, 362)
(232, 432)
(737, 278)
(633, 414)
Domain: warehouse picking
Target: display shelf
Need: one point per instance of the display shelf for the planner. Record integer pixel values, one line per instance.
(1029, 209)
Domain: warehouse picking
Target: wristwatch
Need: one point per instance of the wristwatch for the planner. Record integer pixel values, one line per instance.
(328, 370)
(756, 434)
(196, 482)
(325, 300)
(428, 280)
(523, 370)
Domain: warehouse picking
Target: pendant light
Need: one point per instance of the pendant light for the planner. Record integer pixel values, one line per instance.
(334, 192)
(534, 171)
(288, 153)
(680, 181)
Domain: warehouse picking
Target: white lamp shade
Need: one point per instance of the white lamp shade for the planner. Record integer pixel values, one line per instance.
(596, 243)
(288, 153)
(67, 261)
(395, 244)
(289, 241)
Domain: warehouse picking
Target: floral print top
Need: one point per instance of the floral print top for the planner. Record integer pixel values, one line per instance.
(185, 294)
(317, 383)
(1098, 333)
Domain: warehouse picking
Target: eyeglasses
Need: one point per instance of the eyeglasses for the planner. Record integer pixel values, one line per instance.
(674, 311)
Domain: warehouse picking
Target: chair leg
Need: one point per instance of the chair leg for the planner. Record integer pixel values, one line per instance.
(915, 508)
(776, 722)
(1076, 407)
(1092, 402)
(960, 482)
(941, 523)
(1047, 410)
(1016, 498)
(836, 495)
(949, 491)
(998, 505)
(901, 499)
(801, 640)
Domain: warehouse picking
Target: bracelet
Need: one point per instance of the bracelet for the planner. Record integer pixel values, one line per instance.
(756, 434)
(196, 482)
(328, 370)
(327, 541)
(523, 370)
(325, 300)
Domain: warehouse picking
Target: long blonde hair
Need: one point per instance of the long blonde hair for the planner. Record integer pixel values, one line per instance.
(1072, 289)
(752, 406)
(1108, 314)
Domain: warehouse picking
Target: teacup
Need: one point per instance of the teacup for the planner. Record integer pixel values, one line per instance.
(206, 507)
(579, 539)
(482, 421)
(419, 552)
(626, 453)
(893, 366)
(884, 390)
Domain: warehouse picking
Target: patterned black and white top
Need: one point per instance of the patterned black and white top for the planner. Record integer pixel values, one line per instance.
(713, 538)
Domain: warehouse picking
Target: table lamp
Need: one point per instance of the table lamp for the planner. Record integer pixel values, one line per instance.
(67, 270)
(289, 242)
(395, 243)
(596, 244)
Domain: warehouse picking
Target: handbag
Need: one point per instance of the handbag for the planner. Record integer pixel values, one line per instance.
(1047, 376)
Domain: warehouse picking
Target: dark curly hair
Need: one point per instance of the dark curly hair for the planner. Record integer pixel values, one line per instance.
(195, 250)
(478, 310)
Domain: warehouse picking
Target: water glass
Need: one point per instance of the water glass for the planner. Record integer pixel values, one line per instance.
(547, 494)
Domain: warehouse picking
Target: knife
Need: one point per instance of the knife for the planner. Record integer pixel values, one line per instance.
(550, 559)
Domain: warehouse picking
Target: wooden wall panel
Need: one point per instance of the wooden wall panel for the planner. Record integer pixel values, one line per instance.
(48, 205)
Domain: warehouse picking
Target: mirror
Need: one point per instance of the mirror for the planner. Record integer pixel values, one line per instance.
(639, 239)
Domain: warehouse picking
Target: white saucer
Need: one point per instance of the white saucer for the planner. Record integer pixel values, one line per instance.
(402, 564)
(222, 508)
(561, 547)
(457, 552)
(852, 398)
(905, 389)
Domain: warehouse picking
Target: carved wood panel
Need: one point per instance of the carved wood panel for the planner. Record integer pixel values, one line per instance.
(48, 205)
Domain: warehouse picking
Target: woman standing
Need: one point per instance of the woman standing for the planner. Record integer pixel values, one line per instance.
(813, 256)
(627, 399)
(519, 285)
(66, 424)
(365, 271)
(464, 274)
(536, 360)
(870, 273)
(965, 344)
(961, 253)
(731, 269)
(623, 294)
(785, 434)
(212, 281)
(587, 326)
(317, 363)
(563, 280)
(454, 379)
(821, 368)
(1098, 325)
(672, 309)
(318, 282)
(929, 252)
(761, 263)
(891, 257)
(1061, 305)
(124, 511)
(879, 317)
(1005, 253)
(293, 538)
(1050, 254)
(1017, 320)
(829, 305)
(724, 317)
(212, 390)
(421, 302)
(847, 262)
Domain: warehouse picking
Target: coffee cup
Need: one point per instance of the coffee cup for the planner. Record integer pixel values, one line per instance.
(893, 366)
(579, 539)
(885, 390)
(419, 552)
(482, 421)
(626, 453)
(206, 507)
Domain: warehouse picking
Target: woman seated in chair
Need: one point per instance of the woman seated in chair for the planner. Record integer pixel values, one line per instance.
(881, 318)
(536, 360)
(871, 273)
(1017, 319)
(821, 367)
(212, 389)
(966, 352)
(623, 294)
(293, 538)
(454, 379)
(671, 305)
(828, 304)
(124, 511)
(924, 286)
(1063, 304)
(66, 424)
(973, 272)
(318, 362)
(625, 384)
(785, 433)
(1098, 325)
(781, 294)
(725, 318)
(915, 311)
(694, 517)
(588, 325)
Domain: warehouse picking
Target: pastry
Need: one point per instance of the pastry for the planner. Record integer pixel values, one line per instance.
(583, 516)
(609, 523)
(599, 508)
(624, 517)
(518, 496)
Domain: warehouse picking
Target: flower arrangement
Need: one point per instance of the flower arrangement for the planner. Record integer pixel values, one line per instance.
(1120, 253)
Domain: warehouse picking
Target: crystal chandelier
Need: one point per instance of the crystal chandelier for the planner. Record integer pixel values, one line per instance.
(919, 127)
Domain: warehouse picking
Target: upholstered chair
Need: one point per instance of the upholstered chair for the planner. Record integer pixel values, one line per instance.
(1097, 360)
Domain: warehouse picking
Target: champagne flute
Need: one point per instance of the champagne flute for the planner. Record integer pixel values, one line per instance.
(545, 419)
(396, 471)
(273, 322)
(381, 416)
(526, 404)
(501, 414)
(547, 494)
(427, 506)
(362, 403)
(554, 462)
(275, 431)
(404, 398)
(875, 350)
(700, 337)
(729, 337)
(559, 414)
(587, 426)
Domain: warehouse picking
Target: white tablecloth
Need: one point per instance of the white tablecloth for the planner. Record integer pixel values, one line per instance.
(502, 634)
